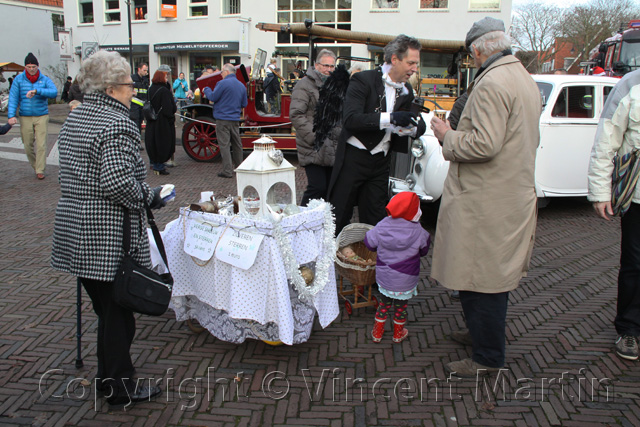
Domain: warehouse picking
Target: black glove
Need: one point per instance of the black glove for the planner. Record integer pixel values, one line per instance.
(404, 118)
(421, 127)
(157, 201)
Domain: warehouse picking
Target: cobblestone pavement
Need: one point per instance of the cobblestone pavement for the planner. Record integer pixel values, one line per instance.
(562, 369)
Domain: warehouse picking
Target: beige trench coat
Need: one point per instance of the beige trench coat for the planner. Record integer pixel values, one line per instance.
(487, 220)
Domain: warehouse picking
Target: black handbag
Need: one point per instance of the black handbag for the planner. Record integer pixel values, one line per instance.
(138, 288)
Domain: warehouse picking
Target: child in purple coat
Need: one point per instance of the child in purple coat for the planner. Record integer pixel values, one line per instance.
(400, 241)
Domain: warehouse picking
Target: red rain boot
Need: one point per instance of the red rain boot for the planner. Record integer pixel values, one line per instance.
(378, 329)
(399, 332)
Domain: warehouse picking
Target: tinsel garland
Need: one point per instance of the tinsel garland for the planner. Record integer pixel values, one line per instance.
(323, 264)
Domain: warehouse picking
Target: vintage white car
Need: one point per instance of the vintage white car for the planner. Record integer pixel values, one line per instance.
(572, 107)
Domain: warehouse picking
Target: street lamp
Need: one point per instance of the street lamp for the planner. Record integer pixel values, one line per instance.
(128, 3)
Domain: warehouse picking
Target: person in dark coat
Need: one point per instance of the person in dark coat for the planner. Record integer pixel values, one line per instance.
(160, 135)
(102, 174)
(376, 121)
(65, 89)
(75, 93)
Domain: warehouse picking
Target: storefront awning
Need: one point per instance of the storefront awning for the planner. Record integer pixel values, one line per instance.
(124, 48)
(217, 46)
(11, 66)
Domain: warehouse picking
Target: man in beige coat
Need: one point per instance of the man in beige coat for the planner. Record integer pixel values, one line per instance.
(487, 219)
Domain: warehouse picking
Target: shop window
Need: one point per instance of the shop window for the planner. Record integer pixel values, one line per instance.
(58, 25)
(384, 4)
(484, 4)
(198, 8)
(434, 4)
(112, 11)
(231, 7)
(85, 10)
(139, 9)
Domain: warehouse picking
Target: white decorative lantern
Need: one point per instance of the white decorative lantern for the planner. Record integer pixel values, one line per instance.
(265, 178)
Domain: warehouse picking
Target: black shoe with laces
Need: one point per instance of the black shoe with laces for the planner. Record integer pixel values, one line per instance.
(627, 347)
(141, 393)
(162, 172)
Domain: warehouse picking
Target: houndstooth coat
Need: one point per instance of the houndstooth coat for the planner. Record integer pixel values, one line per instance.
(101, 172)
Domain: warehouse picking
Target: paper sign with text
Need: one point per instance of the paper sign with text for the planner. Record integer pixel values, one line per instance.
(239, 249)
(200, 240)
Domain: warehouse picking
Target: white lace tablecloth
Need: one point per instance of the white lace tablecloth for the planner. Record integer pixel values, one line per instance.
(235, 304)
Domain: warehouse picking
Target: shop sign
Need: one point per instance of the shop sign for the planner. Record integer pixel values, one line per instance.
(230, 46)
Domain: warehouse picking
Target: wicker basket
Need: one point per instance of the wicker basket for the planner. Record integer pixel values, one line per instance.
(358, 272)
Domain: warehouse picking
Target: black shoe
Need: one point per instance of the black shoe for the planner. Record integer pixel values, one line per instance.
(162, 172)
(224, 175)
(144, 392)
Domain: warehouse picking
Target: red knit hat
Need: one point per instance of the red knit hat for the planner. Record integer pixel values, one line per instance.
(405, 205)
(598, 71)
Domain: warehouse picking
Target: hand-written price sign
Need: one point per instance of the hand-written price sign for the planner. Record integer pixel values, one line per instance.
(239, 248)
(200, 240)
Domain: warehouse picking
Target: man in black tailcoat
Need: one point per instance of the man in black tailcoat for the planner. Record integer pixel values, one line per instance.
(376, 120)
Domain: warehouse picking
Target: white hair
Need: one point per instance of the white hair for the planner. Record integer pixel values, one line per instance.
(492, 42)
(229, 68)
(102, 70)
(325, 52)
(356, 67)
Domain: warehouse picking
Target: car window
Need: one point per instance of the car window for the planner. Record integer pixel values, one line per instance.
(545, 91)
(606, 91)
(574, 102)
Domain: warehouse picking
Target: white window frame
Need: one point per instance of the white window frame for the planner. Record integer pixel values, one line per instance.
(108, 12)
(80, 16)
(227, 4)
(429, 9)
(477, 5)
(376, 7)
(195, 3)
(336, 11)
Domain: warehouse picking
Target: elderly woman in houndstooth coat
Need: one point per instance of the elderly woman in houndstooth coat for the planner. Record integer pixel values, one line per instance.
(101, 174)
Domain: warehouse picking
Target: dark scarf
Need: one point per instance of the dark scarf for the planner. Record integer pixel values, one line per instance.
(33, 78)
(490, 60)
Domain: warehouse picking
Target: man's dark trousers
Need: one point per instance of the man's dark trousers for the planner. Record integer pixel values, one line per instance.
(318, 178)
(363, 181)
(627, 320)
(486, 316)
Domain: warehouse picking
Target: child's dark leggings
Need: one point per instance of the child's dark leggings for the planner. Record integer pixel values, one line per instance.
(387, 304)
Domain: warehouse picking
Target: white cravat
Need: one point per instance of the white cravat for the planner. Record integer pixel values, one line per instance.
(385, 117)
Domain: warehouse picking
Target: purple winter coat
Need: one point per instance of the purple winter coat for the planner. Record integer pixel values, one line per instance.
(400, 244)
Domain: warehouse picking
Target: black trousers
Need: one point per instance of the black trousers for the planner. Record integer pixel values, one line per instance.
(116, 329)
(318, 178)
(363, 181)
(486, 316)
(627, 320)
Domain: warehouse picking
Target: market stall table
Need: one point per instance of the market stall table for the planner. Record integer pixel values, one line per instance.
(263, 301)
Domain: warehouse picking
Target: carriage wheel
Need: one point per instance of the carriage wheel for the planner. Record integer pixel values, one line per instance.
(348, 307)
(194, 326)
(200, 141)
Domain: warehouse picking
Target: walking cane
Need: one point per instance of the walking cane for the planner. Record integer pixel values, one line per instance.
(79, 362)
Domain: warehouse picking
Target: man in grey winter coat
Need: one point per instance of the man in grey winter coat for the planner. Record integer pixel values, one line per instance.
(318, 165)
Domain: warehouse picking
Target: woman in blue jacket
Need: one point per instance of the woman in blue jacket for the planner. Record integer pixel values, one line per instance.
(181, 87)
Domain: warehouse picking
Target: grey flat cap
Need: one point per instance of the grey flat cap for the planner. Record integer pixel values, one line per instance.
(165, 67)
(482, 27)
